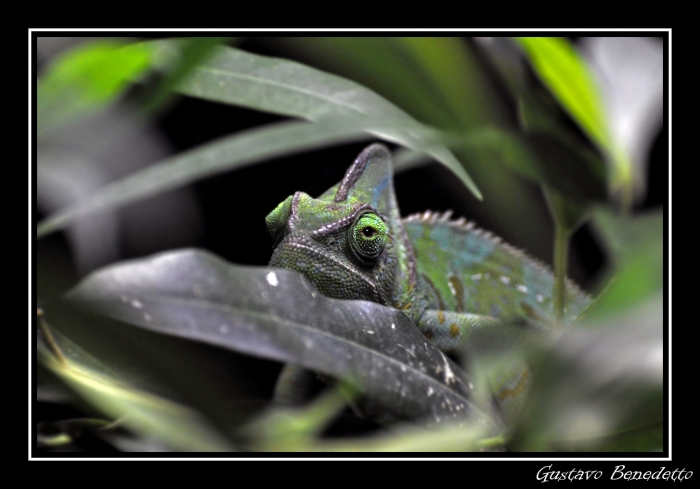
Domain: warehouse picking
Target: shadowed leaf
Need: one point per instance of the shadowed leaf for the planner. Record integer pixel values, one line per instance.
(567, 76)
(276, 314)
(636, 245)
(224, 154)
(564, 71)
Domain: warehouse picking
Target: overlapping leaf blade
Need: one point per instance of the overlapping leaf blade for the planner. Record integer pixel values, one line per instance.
(347, 111)
(288, 88)
(277, 314)
(140, 410)
(224, 154)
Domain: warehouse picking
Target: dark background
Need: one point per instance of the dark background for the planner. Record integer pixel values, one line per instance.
(231, 208)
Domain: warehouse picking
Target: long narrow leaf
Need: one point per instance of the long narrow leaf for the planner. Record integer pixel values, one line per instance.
(289, 88)
(570, 80)
(568, 77)
(221, 155)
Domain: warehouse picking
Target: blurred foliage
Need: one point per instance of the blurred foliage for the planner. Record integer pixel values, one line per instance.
(142, 411)
(86, 80)
(598, 385)
(566, 74)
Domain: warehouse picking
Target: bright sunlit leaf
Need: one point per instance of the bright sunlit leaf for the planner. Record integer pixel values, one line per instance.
(566, 74)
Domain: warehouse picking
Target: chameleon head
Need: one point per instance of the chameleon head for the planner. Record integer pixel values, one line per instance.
(348, 241)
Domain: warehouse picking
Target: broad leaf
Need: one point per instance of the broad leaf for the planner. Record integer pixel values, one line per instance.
(277, 314)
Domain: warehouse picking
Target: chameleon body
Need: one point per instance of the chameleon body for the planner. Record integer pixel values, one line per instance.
(447, 275)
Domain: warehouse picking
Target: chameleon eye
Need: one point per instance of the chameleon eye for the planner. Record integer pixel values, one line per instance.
(368, 237)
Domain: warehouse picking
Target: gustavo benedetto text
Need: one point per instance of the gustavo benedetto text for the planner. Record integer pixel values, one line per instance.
(546, 474)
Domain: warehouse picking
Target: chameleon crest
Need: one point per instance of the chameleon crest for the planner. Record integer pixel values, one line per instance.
(349, 242)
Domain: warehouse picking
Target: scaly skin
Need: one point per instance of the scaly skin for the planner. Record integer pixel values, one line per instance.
(448, 276)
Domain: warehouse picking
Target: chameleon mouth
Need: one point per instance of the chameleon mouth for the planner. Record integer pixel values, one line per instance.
(314, 264)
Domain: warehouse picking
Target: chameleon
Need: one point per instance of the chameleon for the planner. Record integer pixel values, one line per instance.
(447, 275)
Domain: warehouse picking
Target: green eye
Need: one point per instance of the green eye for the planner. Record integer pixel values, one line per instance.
(369, 236)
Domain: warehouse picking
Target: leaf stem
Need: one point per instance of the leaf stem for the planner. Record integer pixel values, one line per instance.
(561, 255)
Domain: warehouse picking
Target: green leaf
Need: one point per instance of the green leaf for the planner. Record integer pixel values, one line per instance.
(142, 411)
(622, 232)
(567, 76)
(549, 152)
(289, 88)
(85, 80)
(574, 172)
(277, 314)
